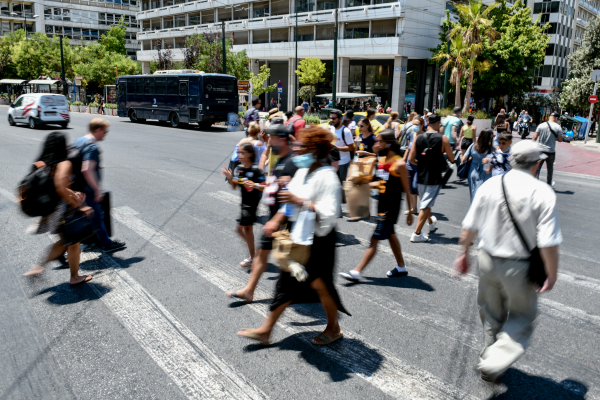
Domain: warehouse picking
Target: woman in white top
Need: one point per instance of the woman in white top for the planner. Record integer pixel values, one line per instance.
(314, 188)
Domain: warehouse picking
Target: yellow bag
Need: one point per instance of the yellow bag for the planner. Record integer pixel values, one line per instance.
(290, 257)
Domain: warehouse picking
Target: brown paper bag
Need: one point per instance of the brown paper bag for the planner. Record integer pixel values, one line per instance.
(358, 197)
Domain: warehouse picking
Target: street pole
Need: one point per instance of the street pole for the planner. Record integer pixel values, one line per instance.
(446, 78)
(296, 58)
(589, 125)
(62, 68)
(223, 39)
(335, 40)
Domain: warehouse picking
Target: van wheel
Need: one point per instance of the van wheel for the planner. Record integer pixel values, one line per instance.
(174, 120)
(11, 121)
(64, 125)
(32, 123)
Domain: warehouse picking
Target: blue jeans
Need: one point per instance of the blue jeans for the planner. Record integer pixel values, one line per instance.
(97, 219)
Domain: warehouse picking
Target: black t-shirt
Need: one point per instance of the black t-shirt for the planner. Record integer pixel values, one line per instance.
(367, 143)
(241, 174)
(431, 161)
(334, 155)
(390, 190)
(284, 167)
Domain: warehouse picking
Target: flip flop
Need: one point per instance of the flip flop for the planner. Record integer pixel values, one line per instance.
(85, 280)
(253, 336)
(234, 295)
(325, 340)
(247, 263)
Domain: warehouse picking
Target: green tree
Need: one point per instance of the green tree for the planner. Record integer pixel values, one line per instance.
(586, 59)
(310, 72)
(305, 91)
(259, 80)
(203, 52)
(98, 65)
(114, 39)
(7, 67)
(38, 56)
(456, 61)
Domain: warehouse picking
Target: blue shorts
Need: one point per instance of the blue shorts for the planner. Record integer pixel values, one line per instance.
(383, 231)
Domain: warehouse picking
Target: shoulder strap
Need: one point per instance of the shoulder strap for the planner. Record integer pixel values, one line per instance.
(513, 219)
(552, 130)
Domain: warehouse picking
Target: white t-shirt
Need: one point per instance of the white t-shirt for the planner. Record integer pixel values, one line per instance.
(344, 155)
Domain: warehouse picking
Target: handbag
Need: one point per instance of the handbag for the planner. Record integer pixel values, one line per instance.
(358, 197)
(76, 228)
(291, 257)
(537, 272)
(463, 169)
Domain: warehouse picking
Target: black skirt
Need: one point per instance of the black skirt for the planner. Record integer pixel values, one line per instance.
(321, 264)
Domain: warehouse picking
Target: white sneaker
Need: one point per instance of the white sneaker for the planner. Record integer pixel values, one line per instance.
(552, 185)
(420, 238)
(431, 226)
(354, 276)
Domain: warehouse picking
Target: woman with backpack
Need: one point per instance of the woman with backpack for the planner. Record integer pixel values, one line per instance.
(54, 156)
(479, 155)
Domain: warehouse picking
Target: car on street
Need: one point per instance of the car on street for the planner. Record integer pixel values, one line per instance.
(36, 109)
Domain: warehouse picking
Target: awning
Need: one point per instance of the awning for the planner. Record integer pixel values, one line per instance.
(43, 82)
(13, 81)
(346, 95)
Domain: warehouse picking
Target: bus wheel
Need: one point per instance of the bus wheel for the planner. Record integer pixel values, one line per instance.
(133, 116)
(174, 120)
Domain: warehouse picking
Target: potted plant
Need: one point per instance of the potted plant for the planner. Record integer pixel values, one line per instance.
(93, 107)
(110, 109)
(312, 120)
(75, 106)
(4, 99)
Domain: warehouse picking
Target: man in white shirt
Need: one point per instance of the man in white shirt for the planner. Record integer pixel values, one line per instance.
(344, 143)
(506, 297)
(548, 134)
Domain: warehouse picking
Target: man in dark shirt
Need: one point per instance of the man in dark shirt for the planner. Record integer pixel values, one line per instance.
(279, 175)
(90, 169)
(252, 114)
(428, 156)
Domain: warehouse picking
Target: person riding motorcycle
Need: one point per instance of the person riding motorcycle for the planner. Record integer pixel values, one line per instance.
(524, 122)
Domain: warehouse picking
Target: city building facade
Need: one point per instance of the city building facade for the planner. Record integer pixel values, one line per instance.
(382, 46)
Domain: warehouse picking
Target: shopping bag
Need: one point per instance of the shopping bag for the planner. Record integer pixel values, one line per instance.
(76, 227)
(290, 257)
(358, 197)
(362, 170)
(303, 228)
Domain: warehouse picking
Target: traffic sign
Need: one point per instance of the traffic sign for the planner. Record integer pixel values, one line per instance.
(279, 90)
(244, 87)
(78, 80)
(280, 86)
(593, 99)
(595, 75)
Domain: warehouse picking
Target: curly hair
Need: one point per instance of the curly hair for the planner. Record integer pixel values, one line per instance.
(316, 138)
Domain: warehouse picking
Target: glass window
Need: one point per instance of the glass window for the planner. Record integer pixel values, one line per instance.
(180, 42)
(306, 5)
(49, 29)
(261, 36)
(383, 1)
(325, 32)
(195, 19)
(131, 86)
(17, 8)
(241, 12)
(180, 20)
(194, 86)
(168, 24)
(384, 28)
(280, 7)
(28, 9)
(155, 4)
(261, 9)
(220, 85)
(160, 85)
(326, 5)
(183, 88)
(279, 35)
(240, 37)
(306, 33)
(168, 3)
(47, 11)
(148, 85)
(17, 26)
(357, 30)
(4, 10)
(208, 17)
(58, 29)
(224, 14)
(58, 15)
(377, 78)
(173, 86)
(94, 18)
(75, 16)
(5, 28)
(355, 79)
(139, 84)
(358, 3)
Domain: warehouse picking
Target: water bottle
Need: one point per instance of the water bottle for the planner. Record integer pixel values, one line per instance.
(289, 208)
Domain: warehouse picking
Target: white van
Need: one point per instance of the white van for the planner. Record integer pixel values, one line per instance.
(39, 109)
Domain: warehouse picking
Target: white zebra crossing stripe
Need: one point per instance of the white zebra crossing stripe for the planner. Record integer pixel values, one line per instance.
(193, 367)
(392, 376)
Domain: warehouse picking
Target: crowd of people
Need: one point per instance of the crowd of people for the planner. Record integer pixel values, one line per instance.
(304, 175)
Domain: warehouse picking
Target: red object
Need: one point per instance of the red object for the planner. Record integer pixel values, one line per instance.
(593, 99)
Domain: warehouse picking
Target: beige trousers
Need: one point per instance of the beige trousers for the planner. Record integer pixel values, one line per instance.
(507, 306)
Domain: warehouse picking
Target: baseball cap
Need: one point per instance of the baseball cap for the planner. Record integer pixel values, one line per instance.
(555, 114)
(277, 128)
(526, 151)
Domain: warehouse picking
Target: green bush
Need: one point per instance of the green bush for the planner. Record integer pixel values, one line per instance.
(241, 114)
(110, 106)
(77, 103)
(93, 104)
(478, 114)
(312, 119)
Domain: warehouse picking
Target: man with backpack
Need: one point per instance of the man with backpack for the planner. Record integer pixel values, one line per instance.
(344, 143)
(547, 134)
(252, 114)
(91, 178)
(297, 121)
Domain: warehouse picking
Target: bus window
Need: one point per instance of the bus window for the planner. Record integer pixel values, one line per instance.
(172, 86)
(130, 86)
(121, 88)
(194, 86)
(220, 85)
(139, 84)
(148, 85)
(183, 86)
(160, 85)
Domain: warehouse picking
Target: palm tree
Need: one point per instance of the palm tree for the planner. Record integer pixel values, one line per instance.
(455, 59)
(474, 25)
(471, 65)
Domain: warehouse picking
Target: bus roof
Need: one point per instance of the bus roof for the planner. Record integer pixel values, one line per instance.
(171, 75)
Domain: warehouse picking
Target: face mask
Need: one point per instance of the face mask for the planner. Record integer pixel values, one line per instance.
(304, 160)
(276, 149)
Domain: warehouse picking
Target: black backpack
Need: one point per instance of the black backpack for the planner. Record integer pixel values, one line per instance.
(76, 158)
(37, 193)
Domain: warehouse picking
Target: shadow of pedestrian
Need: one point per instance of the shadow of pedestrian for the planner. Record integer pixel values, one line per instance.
(523, 386)
(405, 282)
(64, 293)
(342, 358)
(569, 192)
(344, 239)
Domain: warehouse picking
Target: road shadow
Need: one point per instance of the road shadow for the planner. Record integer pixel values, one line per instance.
(239, 303)
(440, 217)
(520, 385)
(64, 294)
(344, 239)
(336, 363)
(439, 238)
(568, 192)
(404, 282)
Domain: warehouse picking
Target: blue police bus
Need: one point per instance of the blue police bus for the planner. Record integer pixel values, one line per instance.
(178, 99)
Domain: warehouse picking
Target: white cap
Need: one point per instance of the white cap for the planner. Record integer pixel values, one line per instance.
(526, 151)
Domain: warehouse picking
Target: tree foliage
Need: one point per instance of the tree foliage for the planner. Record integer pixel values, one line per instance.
(586, 59)
(310, 72)
(455, 61)
(305, 91)
(114, 39)
(164, 55)
(101, 66)
(258, 81)
(204, 52)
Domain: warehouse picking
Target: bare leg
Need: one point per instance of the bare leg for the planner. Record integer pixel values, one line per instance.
(424, 215)
(264, 332)
(259, 266)
(413, 201)
(367, 256)
(74, 252)
(396, 249)
(55, 251)
(250, 240)
(333, 327)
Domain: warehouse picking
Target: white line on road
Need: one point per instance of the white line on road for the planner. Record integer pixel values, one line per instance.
(375, 365)
(193, 367)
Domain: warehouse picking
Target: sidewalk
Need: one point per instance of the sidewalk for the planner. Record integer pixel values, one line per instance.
(577, 158)
(590, 145)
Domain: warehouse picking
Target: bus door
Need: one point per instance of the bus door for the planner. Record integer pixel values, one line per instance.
(184, 112)
(122, 98)
(193, 100)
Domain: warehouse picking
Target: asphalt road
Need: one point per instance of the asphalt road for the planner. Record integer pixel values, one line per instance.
(154, 323)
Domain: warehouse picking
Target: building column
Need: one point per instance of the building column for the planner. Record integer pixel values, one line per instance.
(399, 84)
(290, 88)
(145, 67)
(254, 68)
(342, 74)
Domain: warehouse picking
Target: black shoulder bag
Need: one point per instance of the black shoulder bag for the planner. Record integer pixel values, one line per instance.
(537, 272)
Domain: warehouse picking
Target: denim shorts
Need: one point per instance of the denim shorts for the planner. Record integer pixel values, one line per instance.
(428, 194)
(383, 231)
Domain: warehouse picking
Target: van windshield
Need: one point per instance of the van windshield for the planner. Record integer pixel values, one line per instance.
(49, 101)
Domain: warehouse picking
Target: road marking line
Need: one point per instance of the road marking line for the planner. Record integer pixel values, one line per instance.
(193, 367)
(375, 365)
(236, 200)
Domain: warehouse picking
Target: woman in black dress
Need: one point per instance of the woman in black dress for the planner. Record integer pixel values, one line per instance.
(314, 188)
